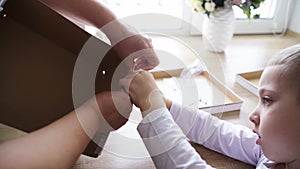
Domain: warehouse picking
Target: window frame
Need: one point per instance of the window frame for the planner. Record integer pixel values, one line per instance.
(191, 22)
(276, 25)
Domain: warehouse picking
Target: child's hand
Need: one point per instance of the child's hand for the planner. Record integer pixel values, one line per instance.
(143, 91)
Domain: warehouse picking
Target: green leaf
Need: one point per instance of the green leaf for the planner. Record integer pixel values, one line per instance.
(247, 12)
(256, 16)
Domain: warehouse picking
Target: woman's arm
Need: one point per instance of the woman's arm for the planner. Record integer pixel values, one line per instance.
(89, 12)
(59, 144)
(124, 38)
(56, 146)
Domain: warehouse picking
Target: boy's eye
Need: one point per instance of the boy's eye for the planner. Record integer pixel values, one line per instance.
(266, 100)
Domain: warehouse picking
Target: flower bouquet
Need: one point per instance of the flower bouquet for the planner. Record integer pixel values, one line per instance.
(209, 6)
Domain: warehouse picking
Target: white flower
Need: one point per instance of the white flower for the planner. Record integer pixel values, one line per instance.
(197, 5)
(209, 6)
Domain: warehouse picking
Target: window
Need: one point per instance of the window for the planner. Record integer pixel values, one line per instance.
(266, 10)
(176, 16)
(273, 19)
(149, 14)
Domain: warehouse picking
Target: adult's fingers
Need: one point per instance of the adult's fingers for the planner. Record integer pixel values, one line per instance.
(145, 59)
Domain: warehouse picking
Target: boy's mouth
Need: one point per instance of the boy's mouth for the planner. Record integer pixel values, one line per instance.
(258, 141)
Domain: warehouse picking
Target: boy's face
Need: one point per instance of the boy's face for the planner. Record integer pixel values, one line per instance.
(277, 117)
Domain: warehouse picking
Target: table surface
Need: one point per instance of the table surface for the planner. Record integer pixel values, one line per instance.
(245, 53)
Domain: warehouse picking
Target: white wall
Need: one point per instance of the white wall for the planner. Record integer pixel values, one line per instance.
(294, 24)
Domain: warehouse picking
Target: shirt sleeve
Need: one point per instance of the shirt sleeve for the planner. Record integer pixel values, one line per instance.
(235, 141)
(166, 143)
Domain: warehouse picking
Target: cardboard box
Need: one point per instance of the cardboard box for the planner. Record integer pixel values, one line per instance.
(38, 52)
(249, 80)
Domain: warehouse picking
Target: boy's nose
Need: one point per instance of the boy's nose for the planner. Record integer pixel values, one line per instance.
(254, 118)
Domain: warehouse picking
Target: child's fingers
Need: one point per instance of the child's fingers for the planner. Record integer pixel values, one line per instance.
(126, 81)
(124, 85)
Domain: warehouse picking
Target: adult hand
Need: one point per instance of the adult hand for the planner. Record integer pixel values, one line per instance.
(135, 49)
(143, 91)
(115, 108)
(138, 52)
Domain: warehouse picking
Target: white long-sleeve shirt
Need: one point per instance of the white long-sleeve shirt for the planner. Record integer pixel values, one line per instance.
(166, 141)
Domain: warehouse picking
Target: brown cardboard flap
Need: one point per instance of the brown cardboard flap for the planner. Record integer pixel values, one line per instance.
(38, 52)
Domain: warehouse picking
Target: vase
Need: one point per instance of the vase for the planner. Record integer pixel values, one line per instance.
(218, 28)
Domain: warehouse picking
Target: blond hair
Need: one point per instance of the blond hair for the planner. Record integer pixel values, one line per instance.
(290, 59)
